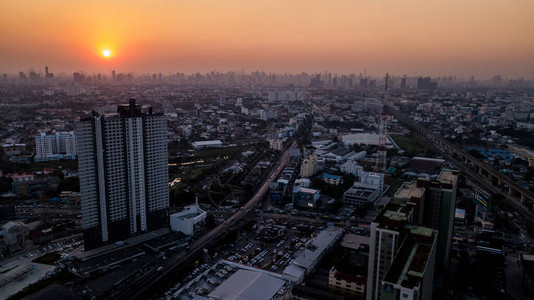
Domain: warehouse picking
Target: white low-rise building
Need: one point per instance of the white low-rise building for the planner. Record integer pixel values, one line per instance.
(189, 221)
(364, 139)
(351, 167)
(310, 255)
(361, 193)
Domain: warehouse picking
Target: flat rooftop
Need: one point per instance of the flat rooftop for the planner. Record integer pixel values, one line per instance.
(83, 256)
(409, 190)
(448, 176)
(315, 247)
(354, 241)
(204, 143)
(409, 266)
(245, 284)
(425, 165)
(393, 211)
(306, 190)
(228, 280)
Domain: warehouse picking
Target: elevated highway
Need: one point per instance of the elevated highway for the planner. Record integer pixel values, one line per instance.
(139, 285)
(516, 191)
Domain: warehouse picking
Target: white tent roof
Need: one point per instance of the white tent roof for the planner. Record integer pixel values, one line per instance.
(248, 285)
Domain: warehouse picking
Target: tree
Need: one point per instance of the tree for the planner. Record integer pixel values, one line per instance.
(210, 222)
(336, 205)
(69, 184)
(5, 184)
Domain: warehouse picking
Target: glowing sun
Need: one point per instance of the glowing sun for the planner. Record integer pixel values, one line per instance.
(106, 53)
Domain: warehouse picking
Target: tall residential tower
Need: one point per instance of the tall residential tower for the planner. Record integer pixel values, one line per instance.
(123, 171)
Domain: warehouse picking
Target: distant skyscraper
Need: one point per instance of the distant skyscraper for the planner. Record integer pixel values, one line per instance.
(123, 174)
(47, 74)
(316, 82)
(34, 76)
(426, 84)
(113, 76)
(363, 83)
(78, 77)
(403, 83)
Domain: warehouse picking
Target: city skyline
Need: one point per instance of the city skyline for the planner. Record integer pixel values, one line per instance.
(480, 39)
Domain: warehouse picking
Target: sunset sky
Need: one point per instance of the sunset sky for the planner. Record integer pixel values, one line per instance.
(413, 37)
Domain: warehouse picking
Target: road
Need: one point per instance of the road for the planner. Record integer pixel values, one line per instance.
(487, 186)
(140, 284)
(482, 182)
(441, 143)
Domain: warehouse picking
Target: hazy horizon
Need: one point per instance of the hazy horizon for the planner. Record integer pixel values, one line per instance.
(414, 38)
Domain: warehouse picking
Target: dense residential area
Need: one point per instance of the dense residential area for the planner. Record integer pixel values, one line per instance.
(277, 186)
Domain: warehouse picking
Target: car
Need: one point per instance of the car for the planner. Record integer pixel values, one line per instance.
(159, 269)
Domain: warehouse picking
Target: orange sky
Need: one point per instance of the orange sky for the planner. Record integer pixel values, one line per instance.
(414, 37)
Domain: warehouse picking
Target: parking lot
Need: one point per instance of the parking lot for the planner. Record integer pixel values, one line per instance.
(206, 278)
(270, 245)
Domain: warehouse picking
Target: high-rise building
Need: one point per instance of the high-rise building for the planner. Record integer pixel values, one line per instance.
(398, 246)
(61, 145)
(123, 174)
(403, 83)
(411, 274)
(439, 209)
(426, 84)
(386, 235)
(47, 74)
(409, 192)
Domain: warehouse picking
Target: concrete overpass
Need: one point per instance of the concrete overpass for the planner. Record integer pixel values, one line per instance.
(523, 195)
(139, 285)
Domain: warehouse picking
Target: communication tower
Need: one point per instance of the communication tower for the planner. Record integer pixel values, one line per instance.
(380, 165)
(381, 159)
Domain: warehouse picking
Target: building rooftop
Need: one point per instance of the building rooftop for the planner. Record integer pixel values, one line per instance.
(354, 241)
(229, 280)
(409, 190)
(315, 248)
(189, 212)
(409, 265)
(448, 176)
(204, 143)
(425, 165)
(394, 212)
(87, 255)
(245, 284)
(304, 190)
(308, 292)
